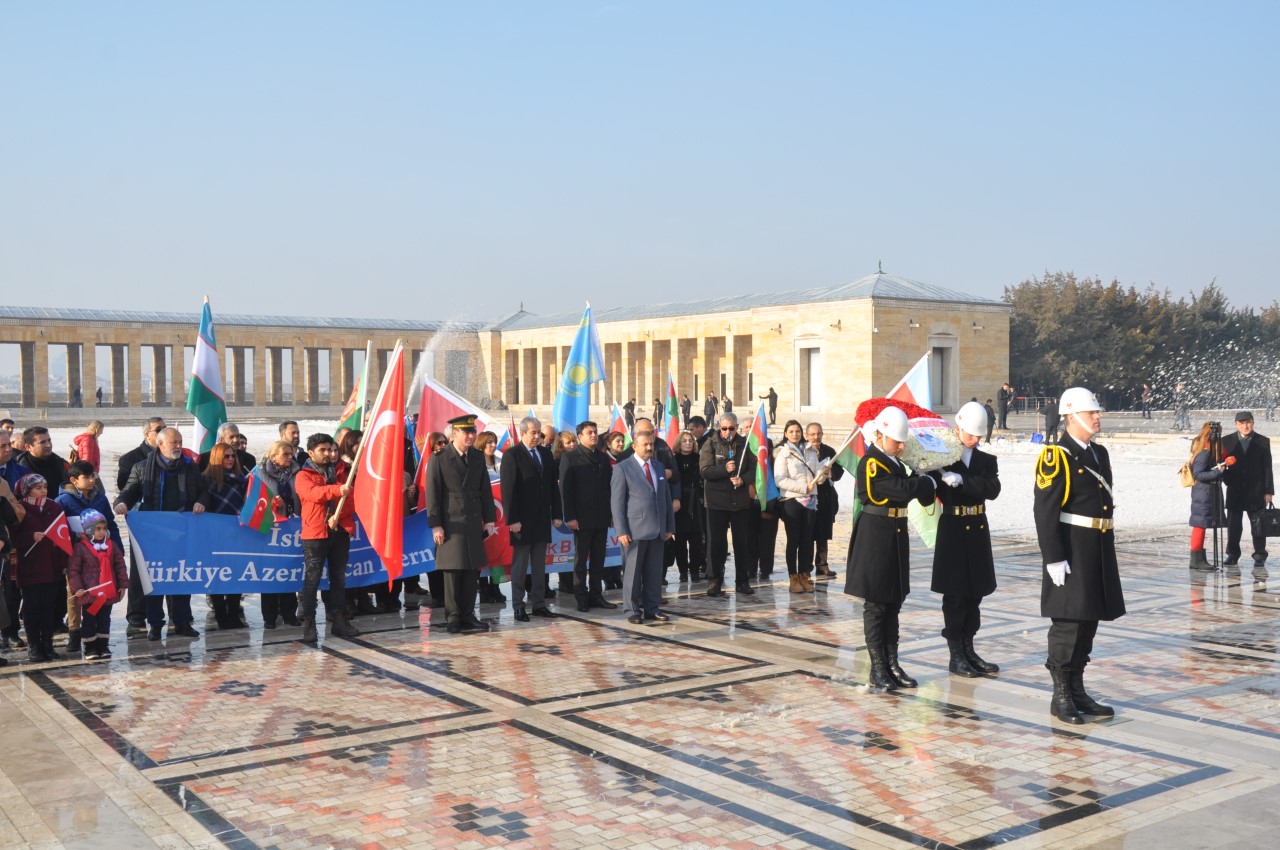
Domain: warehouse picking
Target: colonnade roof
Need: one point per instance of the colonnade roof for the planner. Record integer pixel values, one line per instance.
(874, 286)
(63, 314)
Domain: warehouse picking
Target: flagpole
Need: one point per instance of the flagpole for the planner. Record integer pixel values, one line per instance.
(355, 461)
(42, 539)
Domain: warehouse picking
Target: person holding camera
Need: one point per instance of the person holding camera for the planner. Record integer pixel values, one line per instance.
(1206, 494)
(1250, 485)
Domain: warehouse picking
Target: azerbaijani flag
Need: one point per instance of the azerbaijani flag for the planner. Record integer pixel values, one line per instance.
(205, 399)
(671, 412)
(915, 386)
(619, 424)
(257, 513)
(758, 445)
(508, 437)
(352, 415)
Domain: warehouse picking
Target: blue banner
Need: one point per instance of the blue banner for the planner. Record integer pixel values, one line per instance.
(213, 553)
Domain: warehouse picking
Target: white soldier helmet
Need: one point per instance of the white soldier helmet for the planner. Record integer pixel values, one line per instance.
(891, 422)
(1078, 400)
(972, 419)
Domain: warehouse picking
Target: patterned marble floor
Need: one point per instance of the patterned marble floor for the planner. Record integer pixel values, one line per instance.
(743, 723)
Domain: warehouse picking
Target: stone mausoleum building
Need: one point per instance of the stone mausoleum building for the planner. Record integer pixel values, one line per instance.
(823, 350)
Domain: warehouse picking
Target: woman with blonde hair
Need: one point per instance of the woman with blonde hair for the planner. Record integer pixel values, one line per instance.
(225, 482)
(1206, 493)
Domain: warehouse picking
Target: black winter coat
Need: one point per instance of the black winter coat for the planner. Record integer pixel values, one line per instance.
(828, 498)
(1065, 483)
(530, 494)
(1251, 478)
(129, 460)
(585, 491)
(158, 485)
(962, 562)
(720, 493)
(459, 500)
(1206, 493)
(879, 568)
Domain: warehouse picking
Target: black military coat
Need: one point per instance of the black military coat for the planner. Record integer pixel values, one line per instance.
(530, 494)
(879, 551)
(962, 563)
(459, 500)
(1065, 482)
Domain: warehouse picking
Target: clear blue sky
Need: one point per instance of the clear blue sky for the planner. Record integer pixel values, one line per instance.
(452, 160)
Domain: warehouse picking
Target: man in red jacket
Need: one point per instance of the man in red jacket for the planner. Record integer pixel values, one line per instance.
(326, 535)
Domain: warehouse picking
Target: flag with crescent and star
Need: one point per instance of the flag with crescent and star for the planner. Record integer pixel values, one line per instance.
(59, 533)
(258, 496)
(379, 488)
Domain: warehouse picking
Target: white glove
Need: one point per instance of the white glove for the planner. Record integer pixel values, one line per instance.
(1058, 572)
(952, 479)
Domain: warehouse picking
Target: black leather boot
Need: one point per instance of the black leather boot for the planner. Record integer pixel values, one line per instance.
(714, 588)
(1062, 705)
(881, 679)
(960, 665)
(975, 660)
(73, 641)
(1085, 703)
(895, 670)
(1199, 561)
(584, 605)
(309, 629)
(340, 626)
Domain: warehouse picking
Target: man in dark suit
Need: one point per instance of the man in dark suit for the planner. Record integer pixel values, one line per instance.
(828, 499)
(229, 433)
(645, 520)
(531, 502)
(137, 611)
(1004, 398)
(1075, 523)
(585, 473)
(461, 514)
(686, 409)
(1250, 485)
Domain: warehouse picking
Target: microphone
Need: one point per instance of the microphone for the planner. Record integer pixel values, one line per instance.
(1230, 460)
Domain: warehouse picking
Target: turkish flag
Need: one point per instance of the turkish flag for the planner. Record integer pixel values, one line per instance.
(497, 547)
(437, 405)
(379, 491)
(59, 533)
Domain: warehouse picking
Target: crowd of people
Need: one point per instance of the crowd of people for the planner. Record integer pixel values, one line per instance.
(680, 506)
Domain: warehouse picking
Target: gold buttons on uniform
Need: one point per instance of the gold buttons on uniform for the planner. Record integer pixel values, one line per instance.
(966, 528)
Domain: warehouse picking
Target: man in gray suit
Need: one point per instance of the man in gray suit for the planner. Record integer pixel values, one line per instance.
(644, 519)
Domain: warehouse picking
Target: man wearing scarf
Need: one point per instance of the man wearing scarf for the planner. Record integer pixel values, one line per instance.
(166, 480)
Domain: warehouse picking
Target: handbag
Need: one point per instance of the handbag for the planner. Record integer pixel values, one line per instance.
(1266, 523)
(1185, 476)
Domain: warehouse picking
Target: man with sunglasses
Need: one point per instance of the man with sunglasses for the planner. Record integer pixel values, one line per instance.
(728, 473)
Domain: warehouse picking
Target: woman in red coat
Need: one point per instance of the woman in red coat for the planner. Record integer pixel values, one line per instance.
(42, 567)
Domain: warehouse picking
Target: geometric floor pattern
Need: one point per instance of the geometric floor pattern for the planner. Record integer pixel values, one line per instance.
(742, 723)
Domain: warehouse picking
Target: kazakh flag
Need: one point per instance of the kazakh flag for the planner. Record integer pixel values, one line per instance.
(204, 399)
(584, 367)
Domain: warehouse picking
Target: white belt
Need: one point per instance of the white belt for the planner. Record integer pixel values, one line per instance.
(1100, 523)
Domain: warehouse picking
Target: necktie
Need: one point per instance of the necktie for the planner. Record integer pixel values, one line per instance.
(648, 475)
(537, 459)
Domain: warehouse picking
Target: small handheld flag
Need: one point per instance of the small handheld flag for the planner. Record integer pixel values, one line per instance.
(758, 445)
(257, 513)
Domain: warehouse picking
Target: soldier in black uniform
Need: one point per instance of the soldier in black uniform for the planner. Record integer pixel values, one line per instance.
(461, 514)
(879, 568)
(963, 569)
(1074, 511)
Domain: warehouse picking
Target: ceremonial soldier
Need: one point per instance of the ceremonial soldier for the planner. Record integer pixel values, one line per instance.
(879, 569)
(1074, 511)
(461, 514)
(963, 569)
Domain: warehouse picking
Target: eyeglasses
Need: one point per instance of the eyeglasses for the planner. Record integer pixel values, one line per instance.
(726, 430)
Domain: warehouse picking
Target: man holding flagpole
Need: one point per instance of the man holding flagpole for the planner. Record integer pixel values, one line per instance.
(328, 522)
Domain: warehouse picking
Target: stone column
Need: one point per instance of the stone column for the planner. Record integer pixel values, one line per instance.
(339, 386)
(119, 373)
(299, 375)
(275, 374)
(731, 376)
(178, 374)
(35, 373)
(258, 356)
(313, 375)
(89, 373)
(74, 381)
(159, 375)
(135, 374)
(238, 388)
